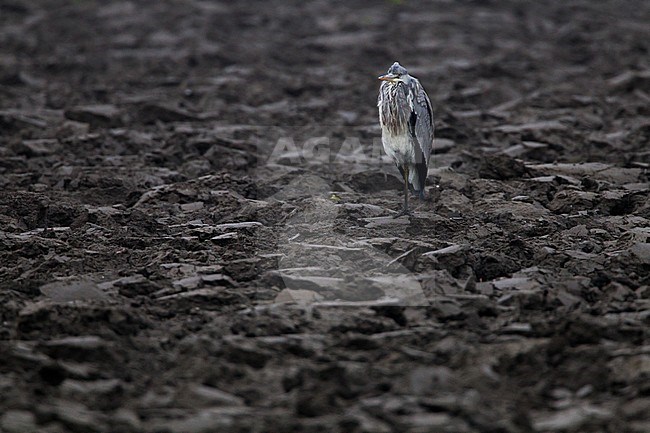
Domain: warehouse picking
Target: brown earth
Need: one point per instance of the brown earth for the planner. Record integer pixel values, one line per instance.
(197, 232)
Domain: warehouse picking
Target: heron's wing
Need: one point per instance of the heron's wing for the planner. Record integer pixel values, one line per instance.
(421, 107)
(420, 128)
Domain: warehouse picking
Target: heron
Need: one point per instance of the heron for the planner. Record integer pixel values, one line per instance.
(406, 120)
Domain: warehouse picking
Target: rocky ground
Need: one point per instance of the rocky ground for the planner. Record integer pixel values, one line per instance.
(197, 232)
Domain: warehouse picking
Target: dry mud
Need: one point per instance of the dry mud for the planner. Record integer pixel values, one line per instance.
(197, 232)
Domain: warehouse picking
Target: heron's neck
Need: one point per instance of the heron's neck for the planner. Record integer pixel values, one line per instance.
(394, 109)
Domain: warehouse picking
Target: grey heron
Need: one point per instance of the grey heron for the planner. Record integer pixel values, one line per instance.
(406, 119)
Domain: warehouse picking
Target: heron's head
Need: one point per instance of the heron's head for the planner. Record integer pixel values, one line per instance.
(396, 74)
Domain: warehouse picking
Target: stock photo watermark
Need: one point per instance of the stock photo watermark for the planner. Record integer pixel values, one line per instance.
(319, 262)
(324, 149)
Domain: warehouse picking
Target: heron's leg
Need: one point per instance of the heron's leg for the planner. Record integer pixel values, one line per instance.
(405, 173)
(406, 188)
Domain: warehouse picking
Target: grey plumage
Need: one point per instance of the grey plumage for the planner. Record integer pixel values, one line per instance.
(407, 128)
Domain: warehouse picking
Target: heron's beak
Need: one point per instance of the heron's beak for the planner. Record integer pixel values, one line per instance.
(389, 77)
